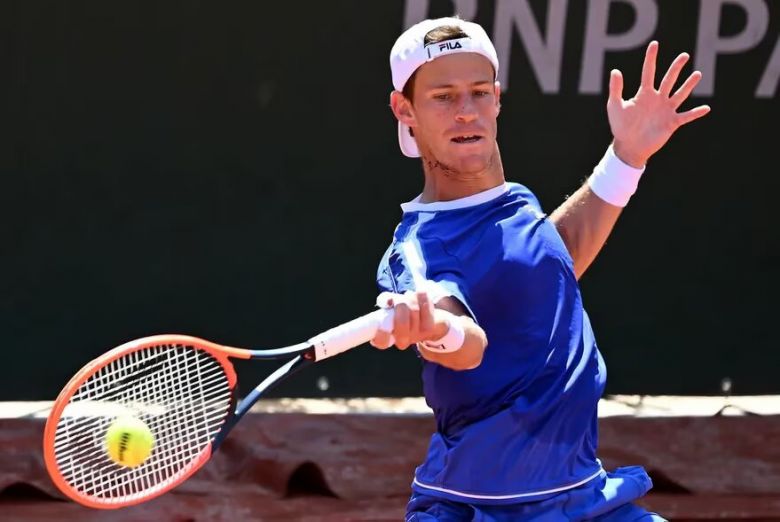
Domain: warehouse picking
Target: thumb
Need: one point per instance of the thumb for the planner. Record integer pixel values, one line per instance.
(382, 340)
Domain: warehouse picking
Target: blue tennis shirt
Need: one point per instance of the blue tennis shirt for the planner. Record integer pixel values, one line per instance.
(523, 425)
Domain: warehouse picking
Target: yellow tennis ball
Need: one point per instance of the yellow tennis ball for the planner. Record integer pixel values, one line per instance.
(129, 441)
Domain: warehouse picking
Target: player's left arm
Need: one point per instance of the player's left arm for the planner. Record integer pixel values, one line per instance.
(640, 127)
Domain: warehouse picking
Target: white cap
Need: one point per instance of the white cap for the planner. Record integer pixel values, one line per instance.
(410, 52)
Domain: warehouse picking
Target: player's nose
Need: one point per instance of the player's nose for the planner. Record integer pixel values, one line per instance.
(466, 116)
(467, 111)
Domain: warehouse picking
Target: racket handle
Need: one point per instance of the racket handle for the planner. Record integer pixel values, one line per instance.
(349, 335)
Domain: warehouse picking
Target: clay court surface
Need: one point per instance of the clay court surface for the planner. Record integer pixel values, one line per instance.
(341, 460)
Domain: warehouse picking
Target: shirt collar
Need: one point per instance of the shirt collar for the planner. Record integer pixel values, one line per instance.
(469, 201)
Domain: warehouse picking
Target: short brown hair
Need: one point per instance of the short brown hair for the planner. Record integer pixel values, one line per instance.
(434, 36)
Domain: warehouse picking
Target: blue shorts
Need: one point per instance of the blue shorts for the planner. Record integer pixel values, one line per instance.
(607, 498)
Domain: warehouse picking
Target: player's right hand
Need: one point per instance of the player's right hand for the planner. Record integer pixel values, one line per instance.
(415, 320)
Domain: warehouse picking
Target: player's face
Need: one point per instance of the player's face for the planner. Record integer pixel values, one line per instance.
(455, 106)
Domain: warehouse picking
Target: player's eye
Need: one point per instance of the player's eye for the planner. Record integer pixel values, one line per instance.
(442, 96)
(481, 93)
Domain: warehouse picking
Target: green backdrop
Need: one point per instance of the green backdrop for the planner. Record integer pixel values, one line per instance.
(230, 170)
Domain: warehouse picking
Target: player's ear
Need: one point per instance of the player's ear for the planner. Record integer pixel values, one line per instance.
(402, 108)
(497, 87)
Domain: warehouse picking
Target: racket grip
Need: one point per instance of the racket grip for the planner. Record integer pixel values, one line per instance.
(351, 334)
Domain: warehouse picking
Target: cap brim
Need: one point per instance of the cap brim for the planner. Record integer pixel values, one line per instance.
(407, 142)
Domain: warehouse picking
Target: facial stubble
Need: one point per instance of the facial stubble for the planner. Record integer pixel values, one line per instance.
(431, 165)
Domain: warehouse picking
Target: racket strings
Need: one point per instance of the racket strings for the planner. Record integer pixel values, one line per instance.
(85, 405)
(180, 392)
(97, 395)
(166, 430)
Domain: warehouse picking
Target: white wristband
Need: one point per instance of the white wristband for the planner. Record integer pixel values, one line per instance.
(614, 181)
(451, 342)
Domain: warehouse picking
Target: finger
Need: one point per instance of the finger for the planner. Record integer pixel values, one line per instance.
(615, 87)
(410, 298)
(414, 323)
(401, 326)
(670, 78)
(426, 313)
(385, 299)
(694, 114)
(685, 89)
(382, 340)
(648, 68)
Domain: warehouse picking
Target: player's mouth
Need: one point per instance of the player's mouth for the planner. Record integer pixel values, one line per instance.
(466, 138)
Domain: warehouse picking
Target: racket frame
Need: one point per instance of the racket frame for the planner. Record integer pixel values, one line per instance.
(302, 355)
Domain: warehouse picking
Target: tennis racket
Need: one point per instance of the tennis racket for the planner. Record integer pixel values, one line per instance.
(184, 389)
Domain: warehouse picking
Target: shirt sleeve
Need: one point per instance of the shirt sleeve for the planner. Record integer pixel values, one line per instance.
(428, 268)
(435, 270)
(533, 201)
(449, 284)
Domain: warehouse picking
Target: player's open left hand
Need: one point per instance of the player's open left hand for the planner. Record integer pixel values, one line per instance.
(644, 123)
(415, 320)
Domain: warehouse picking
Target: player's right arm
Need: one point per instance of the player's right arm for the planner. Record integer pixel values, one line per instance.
(418, 321)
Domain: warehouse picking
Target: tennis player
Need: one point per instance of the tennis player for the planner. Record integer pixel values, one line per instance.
(484, 284)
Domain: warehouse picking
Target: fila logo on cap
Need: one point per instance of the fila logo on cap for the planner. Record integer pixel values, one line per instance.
(448, 45)
(435, 50)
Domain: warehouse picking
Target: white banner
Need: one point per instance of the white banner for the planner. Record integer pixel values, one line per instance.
(544, 45)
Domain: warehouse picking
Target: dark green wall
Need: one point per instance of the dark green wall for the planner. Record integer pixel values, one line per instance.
(230, 170)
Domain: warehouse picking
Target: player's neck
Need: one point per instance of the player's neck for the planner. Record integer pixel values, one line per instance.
(446, 184)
